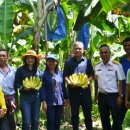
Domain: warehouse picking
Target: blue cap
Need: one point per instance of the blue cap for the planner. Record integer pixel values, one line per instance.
(52, 56)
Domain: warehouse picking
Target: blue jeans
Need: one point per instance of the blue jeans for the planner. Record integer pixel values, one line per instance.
(54, 114)
(30, 107)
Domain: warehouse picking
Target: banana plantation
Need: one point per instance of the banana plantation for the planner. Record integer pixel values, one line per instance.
(54, 25)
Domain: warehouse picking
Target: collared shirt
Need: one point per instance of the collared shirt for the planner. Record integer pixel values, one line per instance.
(74, 66)
(108, 76)
(126, 65)
(52, 90)
(7, 81)
(128, 77)
(22, 73)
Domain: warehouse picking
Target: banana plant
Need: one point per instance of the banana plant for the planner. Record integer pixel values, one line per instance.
(40, 13)
(6, 21)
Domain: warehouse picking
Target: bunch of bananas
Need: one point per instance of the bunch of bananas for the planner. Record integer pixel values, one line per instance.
(32, 83)
(79, 80)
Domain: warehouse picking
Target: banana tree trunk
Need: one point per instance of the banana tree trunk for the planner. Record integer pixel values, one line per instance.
(40, 17)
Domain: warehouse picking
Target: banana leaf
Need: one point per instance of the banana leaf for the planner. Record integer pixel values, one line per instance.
(108, 5)
(6, 20)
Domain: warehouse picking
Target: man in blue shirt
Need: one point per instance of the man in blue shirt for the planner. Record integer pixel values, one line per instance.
(7, 75)
(77, 95)
(125, 61)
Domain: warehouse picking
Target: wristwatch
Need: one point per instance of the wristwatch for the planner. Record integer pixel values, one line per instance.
(121, 95)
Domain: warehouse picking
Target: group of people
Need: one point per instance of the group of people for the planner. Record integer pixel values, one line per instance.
(112, 83)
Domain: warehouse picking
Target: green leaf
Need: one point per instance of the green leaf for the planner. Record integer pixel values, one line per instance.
(80, 2)
(109, 5)
(6, 20)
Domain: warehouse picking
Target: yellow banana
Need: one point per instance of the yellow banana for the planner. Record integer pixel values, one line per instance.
(79, 78)
(70, 78)
(39, 86)
(85, 85)
(31, 81)
(84, 79)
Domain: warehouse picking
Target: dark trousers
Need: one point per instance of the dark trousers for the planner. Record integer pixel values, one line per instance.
(4, 124)
(8, 122)
(10, 115)
(11, 121)
(54, 114)
(83, 100)
(107, 104)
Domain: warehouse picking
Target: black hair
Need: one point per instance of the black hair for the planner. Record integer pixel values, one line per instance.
(1, 49)
(35, 65)
(104, 45)
(126, 40)
(56, 68)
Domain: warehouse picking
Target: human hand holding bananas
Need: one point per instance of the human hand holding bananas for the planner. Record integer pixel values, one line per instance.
(2, 112)
(80, 80)
(32, 83)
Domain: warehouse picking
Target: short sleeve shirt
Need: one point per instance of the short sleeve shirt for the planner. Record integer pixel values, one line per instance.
(108, 76)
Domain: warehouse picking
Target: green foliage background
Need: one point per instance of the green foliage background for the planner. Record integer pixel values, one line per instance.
(108, 20)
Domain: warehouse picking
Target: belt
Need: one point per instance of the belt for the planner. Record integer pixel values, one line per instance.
(107, 93)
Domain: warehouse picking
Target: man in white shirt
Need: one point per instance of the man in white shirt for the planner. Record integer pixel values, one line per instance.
(108, 79)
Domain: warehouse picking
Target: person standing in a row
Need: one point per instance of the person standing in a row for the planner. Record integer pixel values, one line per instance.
(7, 75)
(109, 75)
(29, 98)
(79, 96)
(52, 93)
(127, 98)
(125, 61)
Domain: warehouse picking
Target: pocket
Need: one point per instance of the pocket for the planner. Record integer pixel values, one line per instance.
(110, 75)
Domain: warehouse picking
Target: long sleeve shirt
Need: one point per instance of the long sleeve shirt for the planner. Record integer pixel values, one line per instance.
(52, 90)
(7, 81)
(21, 73)
(73, 66)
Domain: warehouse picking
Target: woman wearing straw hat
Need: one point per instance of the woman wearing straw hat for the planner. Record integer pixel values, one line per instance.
(52, 93)
(29, 98)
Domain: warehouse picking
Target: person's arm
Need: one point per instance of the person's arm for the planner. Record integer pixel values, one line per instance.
(18, 79)
(120, 78)
(119, 98)
(90, 71)
(43, 93)
(120, 84)
(127, 90)
(96, 89)
(66, 73)
(127, 96)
